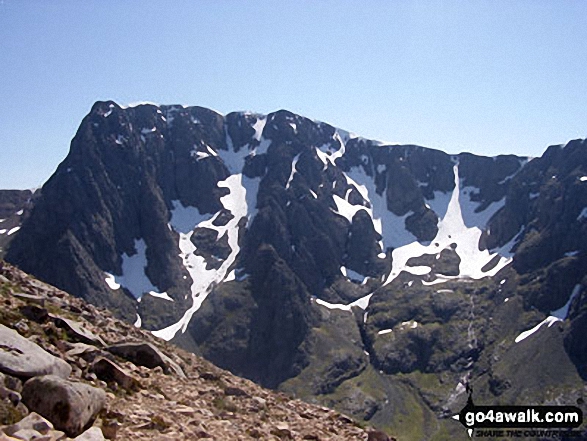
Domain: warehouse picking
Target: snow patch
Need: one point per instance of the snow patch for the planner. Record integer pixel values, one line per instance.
(353, 275)
(327, 152)
(472, 218)
(230, 276)
(259, 126)
(12, 231)
(410, 324)
(199, 155)
(361, 303)
(133, 277)
(390, 226)
(138, 322)
(184, 219)
(111, 281)
(133, 271)
(293, 170)
(583, 214)
(161, 295)
(452, 228)
(550, 320)
(385, 331)
(563, 311)
(555, 316)
(334, 305)
(241, 202)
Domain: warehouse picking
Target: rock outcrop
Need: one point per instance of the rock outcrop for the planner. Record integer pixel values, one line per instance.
(22, 358)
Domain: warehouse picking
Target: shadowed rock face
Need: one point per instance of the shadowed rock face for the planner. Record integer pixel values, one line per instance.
(15, 206)
(245, 236)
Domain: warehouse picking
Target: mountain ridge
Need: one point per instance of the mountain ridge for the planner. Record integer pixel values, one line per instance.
(261, 241)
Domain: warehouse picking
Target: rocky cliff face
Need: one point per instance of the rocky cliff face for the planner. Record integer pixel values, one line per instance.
(15, 206)
(376, 279)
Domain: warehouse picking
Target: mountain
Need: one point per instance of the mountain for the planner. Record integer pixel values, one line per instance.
(376, 279)
(140, 387)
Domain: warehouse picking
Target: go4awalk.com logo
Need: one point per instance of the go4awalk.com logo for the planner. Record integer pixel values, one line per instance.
(521, 421)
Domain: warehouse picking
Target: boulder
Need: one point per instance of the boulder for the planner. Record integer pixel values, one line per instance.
(35, 313)
(33, 421)
(70, 406)
(109, 371)
(92, 434)
(23, 358)
(145, 354)
(77, 331)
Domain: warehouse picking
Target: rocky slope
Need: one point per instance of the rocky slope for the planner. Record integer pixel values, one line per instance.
(137, 386)
(372, 278)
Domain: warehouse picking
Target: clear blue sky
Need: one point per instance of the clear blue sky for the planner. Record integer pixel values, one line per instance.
(489, 77)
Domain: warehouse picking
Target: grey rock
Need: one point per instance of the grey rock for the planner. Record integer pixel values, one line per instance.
(22, 358)
(145, 354)
(77, 331)
(30, 298)
(92, 434)
(13, 397)
(235, 392)
(109, 371)
(31, 435)
(69, 405)
(32, 421)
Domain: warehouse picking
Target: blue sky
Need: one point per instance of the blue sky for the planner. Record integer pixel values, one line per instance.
(489, 77)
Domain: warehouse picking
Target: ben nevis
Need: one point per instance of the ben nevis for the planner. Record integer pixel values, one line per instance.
(375, 279)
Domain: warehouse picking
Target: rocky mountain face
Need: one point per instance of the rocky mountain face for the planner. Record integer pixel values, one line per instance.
(15, 206)
(71, 371)
(375, 279)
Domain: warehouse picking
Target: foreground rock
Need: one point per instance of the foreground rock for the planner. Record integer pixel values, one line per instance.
(145, 354)
(32, 422)
(22, 358)
(70, 406)
(109, 371)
